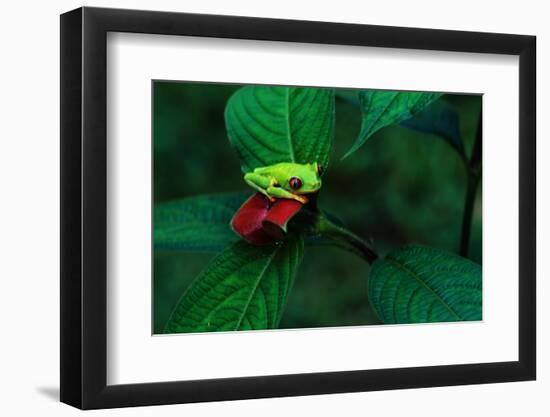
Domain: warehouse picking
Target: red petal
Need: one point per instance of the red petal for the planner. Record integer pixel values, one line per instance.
(279, 214)
(247, 221)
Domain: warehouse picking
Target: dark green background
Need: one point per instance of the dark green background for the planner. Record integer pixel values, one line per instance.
(400, 187)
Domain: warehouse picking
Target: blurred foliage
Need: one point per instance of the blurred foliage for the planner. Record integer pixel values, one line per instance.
(401, 187)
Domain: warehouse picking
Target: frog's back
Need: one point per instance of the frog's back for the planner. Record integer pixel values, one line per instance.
(279, 168)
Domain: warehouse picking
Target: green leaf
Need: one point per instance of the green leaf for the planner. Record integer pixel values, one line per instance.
(198, 223)
(243, 288)
(417, 284)
(383, 108)
(438, 119)
(267, 125)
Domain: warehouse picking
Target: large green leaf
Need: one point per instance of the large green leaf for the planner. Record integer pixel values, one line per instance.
(267, 125)
(243, 288)
(198, 223)
(438, 119)
(383, 108)
(417, 284)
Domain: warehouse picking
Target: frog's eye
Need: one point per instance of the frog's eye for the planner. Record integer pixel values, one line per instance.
(320, 169)
(295, 183)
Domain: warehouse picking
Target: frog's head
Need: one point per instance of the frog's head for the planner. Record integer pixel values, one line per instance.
(305, 179)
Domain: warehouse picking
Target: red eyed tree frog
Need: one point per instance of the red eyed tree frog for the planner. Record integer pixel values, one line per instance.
(286, 180)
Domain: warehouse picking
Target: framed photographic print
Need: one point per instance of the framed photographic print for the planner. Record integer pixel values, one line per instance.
(258, 208)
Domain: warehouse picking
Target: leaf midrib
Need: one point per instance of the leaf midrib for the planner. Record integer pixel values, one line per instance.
(288, 134)
(255, 288)
(417, 277)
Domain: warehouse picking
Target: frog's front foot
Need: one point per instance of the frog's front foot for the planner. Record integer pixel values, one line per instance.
(271, 199)
(302, 199)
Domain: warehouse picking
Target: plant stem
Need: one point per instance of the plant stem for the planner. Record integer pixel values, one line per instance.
(346, 239)
(475, 160)
(473, 168)
(471, 191)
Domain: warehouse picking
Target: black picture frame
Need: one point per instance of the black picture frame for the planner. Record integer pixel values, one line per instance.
(84, 207)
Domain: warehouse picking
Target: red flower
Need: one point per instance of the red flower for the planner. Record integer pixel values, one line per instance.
(261, 222)
(279, 215)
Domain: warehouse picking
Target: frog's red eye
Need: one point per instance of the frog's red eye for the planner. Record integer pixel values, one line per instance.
(320, 169)
(295, 183)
